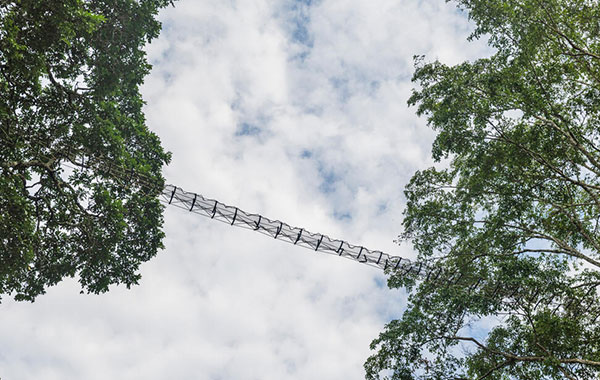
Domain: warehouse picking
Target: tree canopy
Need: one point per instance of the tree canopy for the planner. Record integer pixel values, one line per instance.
(70, 72)
(518, 204)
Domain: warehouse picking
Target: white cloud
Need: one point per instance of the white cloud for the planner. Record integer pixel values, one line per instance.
(324, 86)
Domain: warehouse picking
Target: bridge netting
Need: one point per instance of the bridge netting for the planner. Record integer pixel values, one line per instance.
(279, 230)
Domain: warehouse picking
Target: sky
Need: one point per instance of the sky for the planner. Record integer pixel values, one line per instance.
(293, 109)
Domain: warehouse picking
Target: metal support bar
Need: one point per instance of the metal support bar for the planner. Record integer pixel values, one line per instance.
(234, 216)
(359, 253)
(214, 211)
(279, 229)
(173, 194)
(319, 243)
(193, 202)
(258, 223)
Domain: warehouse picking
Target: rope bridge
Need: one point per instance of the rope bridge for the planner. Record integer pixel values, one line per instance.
(486, 288)
(196, 203)
(276, 229)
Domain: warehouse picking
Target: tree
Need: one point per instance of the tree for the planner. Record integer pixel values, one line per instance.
(518, 204)
(70, 72)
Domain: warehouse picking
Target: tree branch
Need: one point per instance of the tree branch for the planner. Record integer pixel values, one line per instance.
(518, 357)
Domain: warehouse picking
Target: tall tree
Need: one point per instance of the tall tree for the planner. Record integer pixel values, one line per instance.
(517, 207)
(70, 72)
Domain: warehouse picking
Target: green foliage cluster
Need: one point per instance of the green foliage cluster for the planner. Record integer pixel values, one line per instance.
(519, 204)
(70, 72)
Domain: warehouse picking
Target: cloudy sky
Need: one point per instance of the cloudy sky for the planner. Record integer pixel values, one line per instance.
(292, 109)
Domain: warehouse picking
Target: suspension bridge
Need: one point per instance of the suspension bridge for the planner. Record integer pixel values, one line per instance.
(172, 195)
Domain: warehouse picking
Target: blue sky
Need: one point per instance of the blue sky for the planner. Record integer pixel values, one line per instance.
(293, 109)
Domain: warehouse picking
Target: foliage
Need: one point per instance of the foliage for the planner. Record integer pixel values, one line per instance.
(519, 204)
(70, 72)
